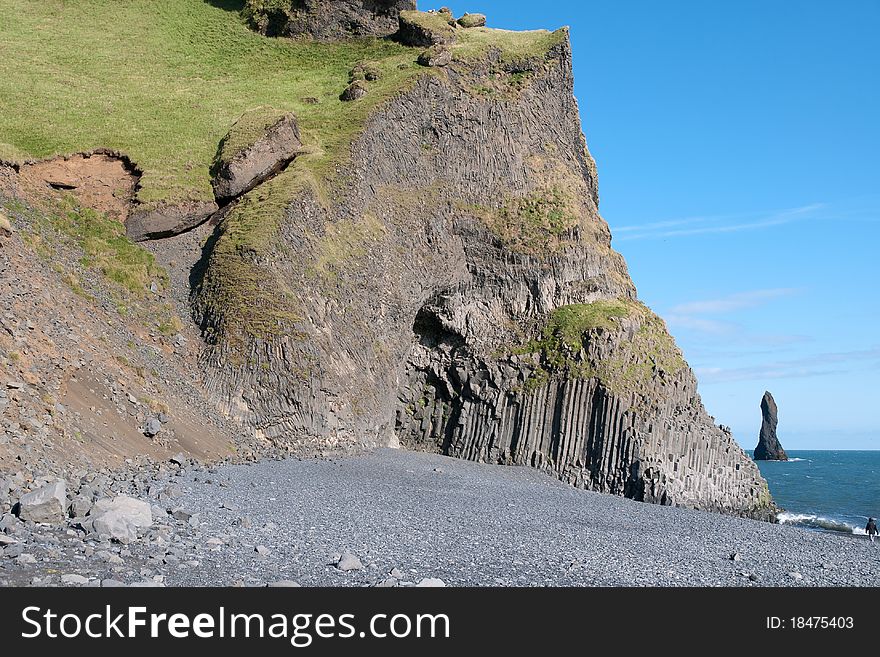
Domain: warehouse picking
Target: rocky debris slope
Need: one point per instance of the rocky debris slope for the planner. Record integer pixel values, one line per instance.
(396, 519)
(769, 448)
(326, 20)
(87, 368)
(456, 291)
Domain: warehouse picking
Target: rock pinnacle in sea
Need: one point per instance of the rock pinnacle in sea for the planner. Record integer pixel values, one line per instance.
(769, 448)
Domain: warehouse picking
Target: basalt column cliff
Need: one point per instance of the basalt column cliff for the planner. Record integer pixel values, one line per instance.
(452, 288)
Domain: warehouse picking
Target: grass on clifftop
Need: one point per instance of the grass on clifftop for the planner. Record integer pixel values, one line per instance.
(513, 46)
(164, 82)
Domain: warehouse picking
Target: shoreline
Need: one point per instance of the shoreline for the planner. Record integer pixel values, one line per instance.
(425, 516)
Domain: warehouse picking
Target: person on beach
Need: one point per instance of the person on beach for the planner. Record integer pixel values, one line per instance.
(871, 529)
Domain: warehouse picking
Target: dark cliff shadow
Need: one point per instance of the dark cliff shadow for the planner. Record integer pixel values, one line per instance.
(200, 268)
(228, 5)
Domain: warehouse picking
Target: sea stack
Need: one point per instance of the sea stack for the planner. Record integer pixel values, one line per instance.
(769, 448)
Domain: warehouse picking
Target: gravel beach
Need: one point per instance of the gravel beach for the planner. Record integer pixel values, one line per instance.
(400, 518)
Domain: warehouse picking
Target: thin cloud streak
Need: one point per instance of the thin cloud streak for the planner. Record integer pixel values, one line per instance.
(732, 302)
(810, 366)
(656, 230)
(700, 324)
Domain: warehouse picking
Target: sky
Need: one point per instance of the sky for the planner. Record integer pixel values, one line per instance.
(738, 149)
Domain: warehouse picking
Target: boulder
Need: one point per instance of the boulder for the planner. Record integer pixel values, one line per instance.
(424, 29)
(472, 20)
(80, 506)
(153, 427)
(260, 143)
(431, 582)
(46, 504)
(120, 518)
(354, 91)
(769, 448)
(322, 20)
(436, 56)
(167, 219)
(364, 71)
(348, 561)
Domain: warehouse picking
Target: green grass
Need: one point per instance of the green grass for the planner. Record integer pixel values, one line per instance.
(107, 249)
(104, 245)
(164, 81)
(569, 323)
(130, 272)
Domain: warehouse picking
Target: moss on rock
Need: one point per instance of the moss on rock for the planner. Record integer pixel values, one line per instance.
(472, 20)
(534, 224)
(643, 353)
(425, 29)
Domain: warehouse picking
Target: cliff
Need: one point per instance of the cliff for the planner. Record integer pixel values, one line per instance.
(451, 287)
(769, 448)
(383, 241)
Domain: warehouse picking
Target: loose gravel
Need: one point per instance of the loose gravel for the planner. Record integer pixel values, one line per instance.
(396, 518)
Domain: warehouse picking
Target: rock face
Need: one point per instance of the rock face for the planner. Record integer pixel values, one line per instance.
(459, 294)
(769, 448)
(259, 145)
(325, 19)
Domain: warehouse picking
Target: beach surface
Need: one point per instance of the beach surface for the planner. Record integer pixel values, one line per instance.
(409, 517)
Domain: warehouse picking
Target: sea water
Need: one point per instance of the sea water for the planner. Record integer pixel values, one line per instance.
(826, 490)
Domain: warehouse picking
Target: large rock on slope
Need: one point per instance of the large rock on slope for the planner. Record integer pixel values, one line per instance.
(326, 19)
(769, 448)
(425, 29)
(151, 222)
(46, 504)
(120, 518)
(459, 294)
(257, 146)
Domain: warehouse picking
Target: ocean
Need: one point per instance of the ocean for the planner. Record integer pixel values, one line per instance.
(826, 490)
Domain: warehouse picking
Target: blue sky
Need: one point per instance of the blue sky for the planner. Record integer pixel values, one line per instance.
(738, 147)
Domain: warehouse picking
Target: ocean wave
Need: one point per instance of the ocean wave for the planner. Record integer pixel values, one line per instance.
(795, 460)
(818, 522)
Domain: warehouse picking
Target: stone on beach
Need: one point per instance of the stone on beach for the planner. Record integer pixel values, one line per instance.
(348, 561)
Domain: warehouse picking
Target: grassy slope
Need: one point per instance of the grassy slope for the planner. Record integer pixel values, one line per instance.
(164, 81)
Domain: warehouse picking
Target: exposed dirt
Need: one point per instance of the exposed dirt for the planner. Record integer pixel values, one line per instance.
(100, 181)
